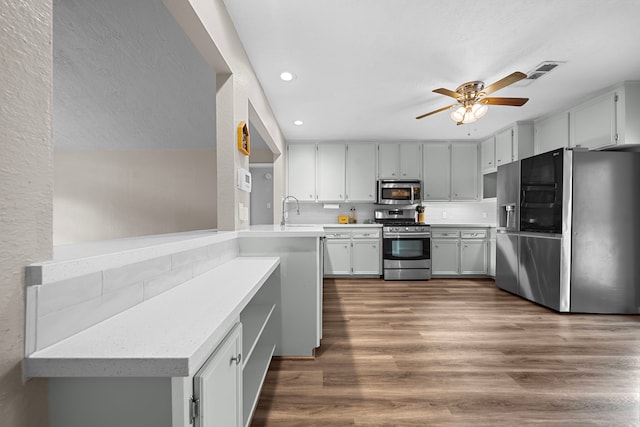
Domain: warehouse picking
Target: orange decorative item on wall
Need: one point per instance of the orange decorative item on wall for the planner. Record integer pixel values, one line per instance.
(244, 142)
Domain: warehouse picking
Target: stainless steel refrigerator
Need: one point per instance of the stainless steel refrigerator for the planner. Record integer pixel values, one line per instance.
(572, 241)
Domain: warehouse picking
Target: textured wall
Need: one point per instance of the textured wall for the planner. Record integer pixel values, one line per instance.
(101, 195)
(26, 181)
(127, 77)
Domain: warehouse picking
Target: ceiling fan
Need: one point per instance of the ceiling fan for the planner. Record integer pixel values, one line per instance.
(472, 98)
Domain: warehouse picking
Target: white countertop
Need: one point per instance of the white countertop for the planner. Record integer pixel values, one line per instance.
(170, 335)
(353, 225)
(463, 225)
(289, 230)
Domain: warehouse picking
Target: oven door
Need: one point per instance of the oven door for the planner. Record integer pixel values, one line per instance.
(406, 250)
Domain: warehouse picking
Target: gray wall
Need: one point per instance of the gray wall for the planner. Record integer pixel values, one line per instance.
(134, 123)
(26, 186)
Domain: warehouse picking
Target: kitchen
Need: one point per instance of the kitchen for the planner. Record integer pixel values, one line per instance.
(34, 236)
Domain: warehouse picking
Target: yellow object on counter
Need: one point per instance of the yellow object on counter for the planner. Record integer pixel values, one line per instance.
(343, 219)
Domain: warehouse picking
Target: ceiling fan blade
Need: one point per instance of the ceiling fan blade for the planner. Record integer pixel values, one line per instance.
(514, 102)
(447, 92)
(437, 111)
(504, 82)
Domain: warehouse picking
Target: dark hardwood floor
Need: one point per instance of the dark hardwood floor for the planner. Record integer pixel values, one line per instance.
(456, 353)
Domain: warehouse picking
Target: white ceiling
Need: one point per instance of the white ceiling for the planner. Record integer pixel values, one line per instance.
(366, 68)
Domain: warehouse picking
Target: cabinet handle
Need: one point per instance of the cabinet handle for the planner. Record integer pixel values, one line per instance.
(490, 162)
(339, 196)
(237, 358)
(374, 246)
(310, 196)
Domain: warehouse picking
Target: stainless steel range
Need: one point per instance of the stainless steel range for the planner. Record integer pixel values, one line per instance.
(406, 253)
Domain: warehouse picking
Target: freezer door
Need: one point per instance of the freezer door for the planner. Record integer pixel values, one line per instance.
(605, 271)
(507, 262)
(539, 270)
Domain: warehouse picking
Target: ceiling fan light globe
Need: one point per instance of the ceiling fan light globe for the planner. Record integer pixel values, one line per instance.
(469, 117)
(479, 110)
(458, 114)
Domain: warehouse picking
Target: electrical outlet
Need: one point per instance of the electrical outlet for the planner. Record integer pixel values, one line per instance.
(444, 215)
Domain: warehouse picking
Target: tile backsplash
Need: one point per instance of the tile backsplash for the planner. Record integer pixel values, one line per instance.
(481, 212)
(59, 309)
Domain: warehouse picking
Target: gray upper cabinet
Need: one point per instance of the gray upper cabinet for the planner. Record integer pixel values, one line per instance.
(609, 119)
(400, 160)
(388, 161)
(464, 171)
(551, 133)
(361, 172)
(331, 177)
(504, 147)
(436, 175)
(593, 123)
(488, 155)
(410, 161)
(301, 171)
(450, 171)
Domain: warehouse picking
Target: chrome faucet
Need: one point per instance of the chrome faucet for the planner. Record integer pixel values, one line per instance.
(284, 199)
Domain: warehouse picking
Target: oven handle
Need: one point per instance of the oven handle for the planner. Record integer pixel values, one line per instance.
(405, 235)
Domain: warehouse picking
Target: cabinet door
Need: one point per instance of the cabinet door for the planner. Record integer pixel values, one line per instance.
(331, 172)
(366, 257)
(388, 160)
(551, 133)
(436, 174)
(473, 257)
(218, 384)
(491, 257)
(337, 257)
(361, 172)
(301, 168)
(504, 147)
(464, 171)
(410, 161)
(593, 124)
(444, 256)
(488, 155)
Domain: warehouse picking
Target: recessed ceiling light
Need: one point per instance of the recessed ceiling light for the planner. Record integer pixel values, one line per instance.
(287, 76)
(298, 123)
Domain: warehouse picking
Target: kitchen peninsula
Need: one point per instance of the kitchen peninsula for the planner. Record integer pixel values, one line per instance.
(146, 322)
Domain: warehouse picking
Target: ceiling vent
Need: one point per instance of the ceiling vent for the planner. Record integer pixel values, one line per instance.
(539, 71)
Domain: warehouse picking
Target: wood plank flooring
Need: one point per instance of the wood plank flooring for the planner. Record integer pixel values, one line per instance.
(456, 353)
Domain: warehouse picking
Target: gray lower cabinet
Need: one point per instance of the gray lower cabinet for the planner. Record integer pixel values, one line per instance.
(473, 257)
(217, 386)
(352, 252)
(445, 256)
(337, 257)
(459, 252)
(223, 392)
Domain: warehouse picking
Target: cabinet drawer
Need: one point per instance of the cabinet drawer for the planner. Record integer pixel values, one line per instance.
(474, 234)
(366, 234)
(444, 233)
(332, 233)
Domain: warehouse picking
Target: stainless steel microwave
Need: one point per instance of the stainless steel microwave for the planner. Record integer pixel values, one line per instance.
(399, 192)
